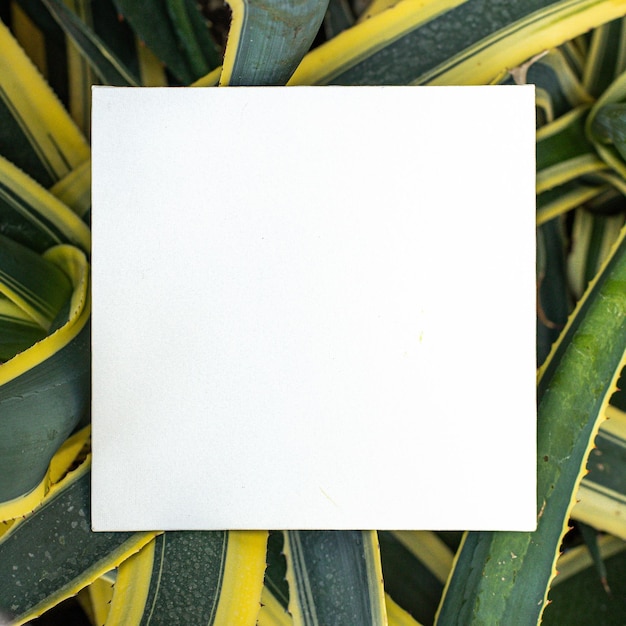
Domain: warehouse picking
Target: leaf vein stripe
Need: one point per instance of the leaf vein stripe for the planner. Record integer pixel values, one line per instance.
(20, 290)
(304, 591)
(540, 15)
(27, 133)
(21, 207)
(223, 558)
(159, 576)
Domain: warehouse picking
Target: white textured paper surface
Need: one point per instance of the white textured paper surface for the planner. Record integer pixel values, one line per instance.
(313, 308)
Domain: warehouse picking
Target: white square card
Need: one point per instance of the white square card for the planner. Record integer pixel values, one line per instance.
(314, 307)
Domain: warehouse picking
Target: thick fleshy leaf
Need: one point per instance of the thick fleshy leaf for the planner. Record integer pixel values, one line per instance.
(101, 58)
(502, 578)
(45, 390)
(450, 42)
(563, 151)
(35, 218)
(559, 200)
(36, 133)
(37, 286)
(334, 578)
(52, 554)
(192, 578)
(18, 330)
(267, 39)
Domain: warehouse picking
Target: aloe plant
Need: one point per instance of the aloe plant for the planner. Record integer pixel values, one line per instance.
(51, 52)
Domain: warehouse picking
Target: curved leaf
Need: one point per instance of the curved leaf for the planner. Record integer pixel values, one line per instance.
(558, 82)
(52, 554)
(452, 42)
(563, 151)
(603, 63)
(45, 390)
(268, 38)
(596, 132)
(503, 578)
(36, 133)
(32, 216)
(37, 286)
(18, 330)
(101, 58)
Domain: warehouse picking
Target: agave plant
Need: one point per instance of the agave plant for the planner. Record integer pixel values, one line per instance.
(51, 52)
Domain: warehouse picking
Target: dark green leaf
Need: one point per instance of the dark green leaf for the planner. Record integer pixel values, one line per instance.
(268, 39)
(333, 578)
(153, 24)
(52, 554)
(502, 578)
(103, 61)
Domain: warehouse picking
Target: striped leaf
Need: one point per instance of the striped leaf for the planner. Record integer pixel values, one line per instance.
(74, 190)
(44, 390)
(100, 57)
(602, 493)
(450, 42)
(34, 217)
(558, 82)
(553, 293)
(606, 56)
(36, 133)
(52, 554)
(597, 130)
(503, 578)
(70, 71)
(37, 286)
(72, 453)
(267, 40)
(18, 330)
(334, 578)
(415, 566)
(563, 198)
(593, 235)
(177, 34)
(192, 578)
(563, 151)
